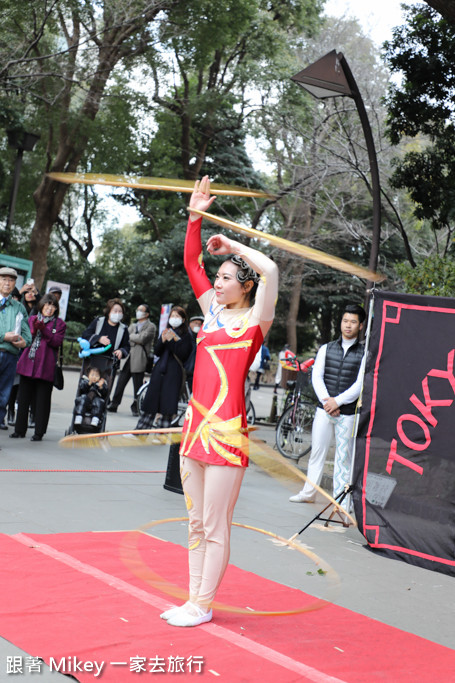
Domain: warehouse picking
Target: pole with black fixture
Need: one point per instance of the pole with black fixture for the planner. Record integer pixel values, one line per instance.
(331, 76)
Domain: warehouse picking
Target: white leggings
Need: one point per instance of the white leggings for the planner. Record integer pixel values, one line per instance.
(211, 492)
(324, 427)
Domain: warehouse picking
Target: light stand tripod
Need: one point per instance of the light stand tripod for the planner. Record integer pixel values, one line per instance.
(336, 511)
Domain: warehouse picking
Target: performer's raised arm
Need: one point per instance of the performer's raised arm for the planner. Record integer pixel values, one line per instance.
(194, 265)
(263, 271)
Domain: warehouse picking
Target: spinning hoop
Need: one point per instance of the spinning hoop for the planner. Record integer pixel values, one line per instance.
(294, 248)
(132, 559)
(144, 183)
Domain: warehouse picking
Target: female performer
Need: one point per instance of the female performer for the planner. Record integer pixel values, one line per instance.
(213, 454)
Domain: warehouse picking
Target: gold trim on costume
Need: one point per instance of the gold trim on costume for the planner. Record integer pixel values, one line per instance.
(204, 431)
(229, 433)
(242, 323)
(189, 417)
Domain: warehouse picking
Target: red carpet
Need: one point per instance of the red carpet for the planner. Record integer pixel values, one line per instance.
(70, 595)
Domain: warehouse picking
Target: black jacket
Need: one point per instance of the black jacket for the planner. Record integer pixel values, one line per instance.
(341, 370)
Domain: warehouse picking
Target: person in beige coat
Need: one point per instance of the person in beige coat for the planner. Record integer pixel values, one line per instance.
(142, 335)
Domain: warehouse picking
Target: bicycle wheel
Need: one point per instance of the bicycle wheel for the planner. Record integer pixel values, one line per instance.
(179, 418)
(140, 397)
(251, 415)
(293, 432)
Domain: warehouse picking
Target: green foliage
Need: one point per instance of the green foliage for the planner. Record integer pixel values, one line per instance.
(113, 134)
(423, 103)
(433, 276)
(71, 348)
(11, 116)
(205, 26)
(422, 52)
(11, 119)
(74, 328)
(203, 62)
(249, 30)
(86, 294)
(428, 175)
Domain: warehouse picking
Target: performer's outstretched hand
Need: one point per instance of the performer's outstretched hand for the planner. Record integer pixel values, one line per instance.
(200, 198)
(220, 245)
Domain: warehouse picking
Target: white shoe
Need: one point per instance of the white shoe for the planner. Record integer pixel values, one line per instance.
(183, 618)
(78, 420)
(302, 498)
(95, 421)
(172, 611)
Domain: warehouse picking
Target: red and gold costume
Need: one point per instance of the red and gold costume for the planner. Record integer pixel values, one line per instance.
(212, 434)
(226, 347)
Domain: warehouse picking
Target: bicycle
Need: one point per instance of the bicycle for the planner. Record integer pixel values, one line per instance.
(179, 417)
(293, 430)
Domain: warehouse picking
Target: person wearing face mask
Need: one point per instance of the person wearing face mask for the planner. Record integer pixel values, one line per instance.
(195, 325)
(109, 329)
(173, 347)
(142, 335)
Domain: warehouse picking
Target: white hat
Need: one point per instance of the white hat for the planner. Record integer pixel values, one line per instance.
(6, 270)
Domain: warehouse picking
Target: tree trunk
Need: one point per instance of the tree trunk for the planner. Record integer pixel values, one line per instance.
(326, 325)
(301, 218)
(294, 303)
(48, 199)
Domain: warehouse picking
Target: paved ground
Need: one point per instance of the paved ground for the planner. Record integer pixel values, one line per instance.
(413, 599)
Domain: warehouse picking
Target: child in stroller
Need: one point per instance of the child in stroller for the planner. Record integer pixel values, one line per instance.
(91, 399)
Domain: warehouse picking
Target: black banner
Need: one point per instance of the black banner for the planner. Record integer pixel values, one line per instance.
(404, 468)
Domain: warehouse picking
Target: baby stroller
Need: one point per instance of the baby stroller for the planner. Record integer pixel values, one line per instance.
(83, 423)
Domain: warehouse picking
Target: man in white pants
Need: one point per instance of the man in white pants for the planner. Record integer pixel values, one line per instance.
(337, 381)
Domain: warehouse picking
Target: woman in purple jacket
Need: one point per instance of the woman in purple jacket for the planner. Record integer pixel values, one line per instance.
(36, 368)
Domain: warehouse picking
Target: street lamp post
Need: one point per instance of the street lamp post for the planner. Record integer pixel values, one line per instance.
(23, 142)
(331, 76)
